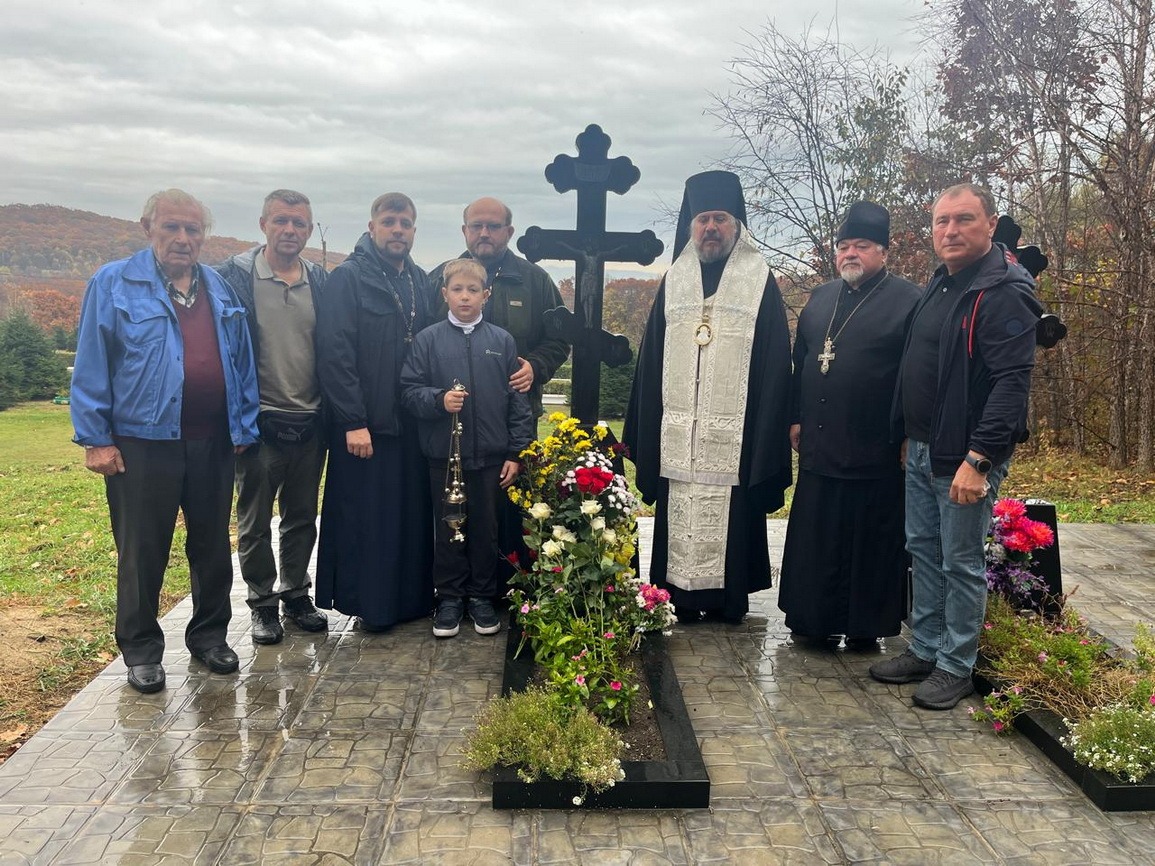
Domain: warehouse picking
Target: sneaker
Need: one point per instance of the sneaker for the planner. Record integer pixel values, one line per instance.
(267, 625)
(942, 690)
(484, 617)
(447, 619)
(905, 668)
(301, 611)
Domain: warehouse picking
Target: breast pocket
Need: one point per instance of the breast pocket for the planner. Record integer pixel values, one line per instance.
(518, 318)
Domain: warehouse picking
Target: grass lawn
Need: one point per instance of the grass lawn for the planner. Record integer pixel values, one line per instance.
(57, 561)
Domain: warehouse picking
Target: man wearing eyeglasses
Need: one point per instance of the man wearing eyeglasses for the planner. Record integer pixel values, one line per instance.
(521, 292)
(281, 293)
(844, 567)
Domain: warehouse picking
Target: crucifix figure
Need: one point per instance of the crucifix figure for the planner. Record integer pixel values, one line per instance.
(826, 356)
(592, 173)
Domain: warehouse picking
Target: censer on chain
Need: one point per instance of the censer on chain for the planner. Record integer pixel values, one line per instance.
(453, 503)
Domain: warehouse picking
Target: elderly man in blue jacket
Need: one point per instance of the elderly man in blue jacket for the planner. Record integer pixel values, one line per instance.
(961, 401)
(164, 394)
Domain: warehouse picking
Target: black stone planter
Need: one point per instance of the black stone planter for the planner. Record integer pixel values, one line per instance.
(679, 782)
(1044, 728)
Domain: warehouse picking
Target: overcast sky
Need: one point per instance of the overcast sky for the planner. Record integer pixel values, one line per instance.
(106, 101)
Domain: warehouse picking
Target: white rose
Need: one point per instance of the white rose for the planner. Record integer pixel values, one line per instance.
(609, 536)
(590, 507)
(540, 511)
(598, 524)
(558, 531)
(552, 548)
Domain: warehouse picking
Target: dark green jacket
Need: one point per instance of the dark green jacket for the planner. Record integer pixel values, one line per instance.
(522, 292)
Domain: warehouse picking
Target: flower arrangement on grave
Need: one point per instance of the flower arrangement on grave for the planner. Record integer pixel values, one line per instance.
(1055, 661)
(1010, 548)
(578, 602)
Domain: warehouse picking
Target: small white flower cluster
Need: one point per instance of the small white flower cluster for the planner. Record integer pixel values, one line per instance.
(1117, 739)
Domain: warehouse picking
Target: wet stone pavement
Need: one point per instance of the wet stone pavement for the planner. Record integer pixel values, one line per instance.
(343, 748)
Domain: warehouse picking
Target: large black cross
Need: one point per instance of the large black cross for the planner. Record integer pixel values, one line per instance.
(590, 246)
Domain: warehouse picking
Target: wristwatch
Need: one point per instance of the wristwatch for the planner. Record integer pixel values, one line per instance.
(981, 464)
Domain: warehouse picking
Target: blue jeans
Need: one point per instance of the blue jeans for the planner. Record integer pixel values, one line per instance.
(946, 542)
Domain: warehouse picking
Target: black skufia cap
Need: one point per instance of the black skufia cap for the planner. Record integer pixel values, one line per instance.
(710, 190)
(866, 220)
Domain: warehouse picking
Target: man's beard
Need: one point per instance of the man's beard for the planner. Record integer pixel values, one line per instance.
(853, 274)
(723, 251)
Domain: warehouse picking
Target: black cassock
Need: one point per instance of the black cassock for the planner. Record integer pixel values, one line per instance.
(844, 568)
(765, 469)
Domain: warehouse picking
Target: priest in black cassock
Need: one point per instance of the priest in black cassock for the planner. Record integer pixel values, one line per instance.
(844, 568)
(707, 424)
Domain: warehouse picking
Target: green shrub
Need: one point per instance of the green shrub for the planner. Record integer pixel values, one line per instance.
(540, 734)
(1119, 739)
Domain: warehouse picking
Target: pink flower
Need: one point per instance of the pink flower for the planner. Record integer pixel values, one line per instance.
(1042, 657)
(987, 626)
(1153, 699)
(998, 727)
(1012, 508)
(580, 680)
(609, 587)
(525, 607)
(616, 686)
(609, 635)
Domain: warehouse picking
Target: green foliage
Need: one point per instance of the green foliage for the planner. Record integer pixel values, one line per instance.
(615, 391)
(29, 368)
(540, 733)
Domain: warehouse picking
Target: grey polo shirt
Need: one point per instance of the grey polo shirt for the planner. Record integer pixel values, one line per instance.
(286, 324)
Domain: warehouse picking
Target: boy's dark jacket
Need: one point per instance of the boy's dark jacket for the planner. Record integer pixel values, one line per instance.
(985, 356)
(496, 419)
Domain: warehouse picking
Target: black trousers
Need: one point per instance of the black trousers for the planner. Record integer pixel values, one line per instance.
(160, 477)
(288, 475)
(469, 568)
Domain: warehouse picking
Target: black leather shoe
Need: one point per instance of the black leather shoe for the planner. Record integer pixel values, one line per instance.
(301, 611)
(218, 659)
(267, 625)
(146, 679)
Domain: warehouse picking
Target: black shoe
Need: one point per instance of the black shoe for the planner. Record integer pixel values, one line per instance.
(942, 690)
(686, 616)
(447, 619)
(904, 668)
(371, 628)
(218, 659)
(146, 679)
(722, 616)
(301, 611)
(484, 617)
(863, 644)
(267, 625)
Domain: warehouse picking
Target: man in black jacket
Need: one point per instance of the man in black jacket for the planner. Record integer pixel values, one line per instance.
(520, 293)
(961, 400)
(281, 293)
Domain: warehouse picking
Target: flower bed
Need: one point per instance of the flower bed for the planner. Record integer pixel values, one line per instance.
(1086, 704)
(579, 610)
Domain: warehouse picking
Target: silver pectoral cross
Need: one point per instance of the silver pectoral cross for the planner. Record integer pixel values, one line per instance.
(826, 357)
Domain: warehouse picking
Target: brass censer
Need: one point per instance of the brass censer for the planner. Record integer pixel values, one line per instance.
(453, 503)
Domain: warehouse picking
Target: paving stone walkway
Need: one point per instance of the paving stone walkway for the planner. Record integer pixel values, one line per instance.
(343, 748)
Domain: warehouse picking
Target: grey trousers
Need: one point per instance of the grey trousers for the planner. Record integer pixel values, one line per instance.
(290, 477)
(194, 476)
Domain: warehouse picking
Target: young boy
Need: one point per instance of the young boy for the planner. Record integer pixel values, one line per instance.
(497, 425)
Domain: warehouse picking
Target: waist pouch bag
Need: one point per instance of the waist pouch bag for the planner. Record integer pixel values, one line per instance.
(286, 428)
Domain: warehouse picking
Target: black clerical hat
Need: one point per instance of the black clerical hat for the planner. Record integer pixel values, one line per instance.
(710, 190)
(866, 220)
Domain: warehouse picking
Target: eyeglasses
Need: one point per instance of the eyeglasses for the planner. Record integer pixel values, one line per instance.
(475, 228)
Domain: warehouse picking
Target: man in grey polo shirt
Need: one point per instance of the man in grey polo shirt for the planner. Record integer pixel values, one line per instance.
(281, 292)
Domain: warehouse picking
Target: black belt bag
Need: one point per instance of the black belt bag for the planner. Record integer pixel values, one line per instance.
(287, 428)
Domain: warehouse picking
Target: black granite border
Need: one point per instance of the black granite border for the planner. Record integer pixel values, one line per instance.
(679, 782)
(1044, 728)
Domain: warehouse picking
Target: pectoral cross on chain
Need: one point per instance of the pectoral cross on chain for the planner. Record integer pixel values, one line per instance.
(826, 357)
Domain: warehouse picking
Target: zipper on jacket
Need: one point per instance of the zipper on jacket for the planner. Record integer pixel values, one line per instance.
(473, 397)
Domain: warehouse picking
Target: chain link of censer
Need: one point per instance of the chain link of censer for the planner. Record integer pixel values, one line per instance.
(453, 503)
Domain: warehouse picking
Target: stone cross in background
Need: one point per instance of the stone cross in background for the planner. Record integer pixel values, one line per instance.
(592, 173)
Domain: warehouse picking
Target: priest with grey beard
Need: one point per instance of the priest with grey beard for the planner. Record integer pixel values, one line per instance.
(707, 422)
(844, 568)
